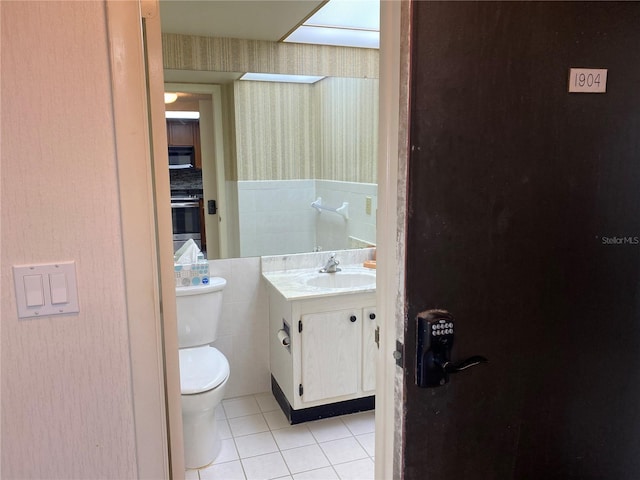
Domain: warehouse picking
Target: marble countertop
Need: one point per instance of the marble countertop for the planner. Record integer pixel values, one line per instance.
(292, 284)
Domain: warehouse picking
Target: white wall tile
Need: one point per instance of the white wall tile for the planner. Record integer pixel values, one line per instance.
(242, 334)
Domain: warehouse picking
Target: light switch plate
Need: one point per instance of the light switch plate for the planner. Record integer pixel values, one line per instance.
(56, 285)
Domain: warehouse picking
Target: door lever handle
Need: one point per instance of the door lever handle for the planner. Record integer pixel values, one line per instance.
(450, 367)
(435, 338)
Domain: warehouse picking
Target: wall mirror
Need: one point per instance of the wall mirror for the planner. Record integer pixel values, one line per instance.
(291, 166)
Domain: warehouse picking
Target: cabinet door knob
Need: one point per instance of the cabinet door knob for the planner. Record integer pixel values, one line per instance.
(353, 318)
(372, 316)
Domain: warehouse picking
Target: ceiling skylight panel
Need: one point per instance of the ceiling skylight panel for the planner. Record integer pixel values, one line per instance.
(278, 77)
(335, 36)
(350, 14)
(346, 23)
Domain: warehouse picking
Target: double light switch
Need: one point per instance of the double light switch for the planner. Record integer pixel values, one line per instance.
(48, 289)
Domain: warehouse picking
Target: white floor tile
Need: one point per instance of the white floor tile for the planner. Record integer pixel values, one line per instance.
(305, 458)
(327, 473)
(191, 475)
(248, 424)
(227, 453)
(359, 423)
(276, 419)
(293, 436)
(223, 429)
(220, 413)
(368, 442)
(329, 429)
(259, 443)
(240, 406)
(265, 467)
(343, 450)
(267, 402)
(357, 470)
(256, 444)
(226, 471)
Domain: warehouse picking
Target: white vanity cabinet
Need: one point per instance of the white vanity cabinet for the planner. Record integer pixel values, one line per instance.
(331, 355)
(329, 360)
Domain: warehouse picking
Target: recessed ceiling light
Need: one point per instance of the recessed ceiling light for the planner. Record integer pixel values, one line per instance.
(170, 97)
(346, 23)
(182, 115)
(277, 77)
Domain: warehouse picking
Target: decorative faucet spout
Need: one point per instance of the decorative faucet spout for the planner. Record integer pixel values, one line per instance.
(331, 266)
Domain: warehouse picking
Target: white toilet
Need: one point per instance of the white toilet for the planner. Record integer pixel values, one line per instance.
(204, 371)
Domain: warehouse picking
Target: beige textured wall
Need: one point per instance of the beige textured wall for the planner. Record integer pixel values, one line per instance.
(66, 381)
(184, 52)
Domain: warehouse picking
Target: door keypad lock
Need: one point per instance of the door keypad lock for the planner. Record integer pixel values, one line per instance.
(434, 345)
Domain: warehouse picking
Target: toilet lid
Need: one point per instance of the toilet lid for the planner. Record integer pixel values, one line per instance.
(201, 369)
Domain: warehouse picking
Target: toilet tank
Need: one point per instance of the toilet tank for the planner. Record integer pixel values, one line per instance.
(199, 309)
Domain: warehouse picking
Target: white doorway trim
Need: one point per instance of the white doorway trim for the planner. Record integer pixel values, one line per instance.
(146, 243)
(218, 154)
(151, 302)
(390, 248)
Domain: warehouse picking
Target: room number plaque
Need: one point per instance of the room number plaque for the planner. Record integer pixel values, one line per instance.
(587, 80)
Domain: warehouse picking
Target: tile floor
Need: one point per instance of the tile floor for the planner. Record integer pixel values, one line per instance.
(258, 443)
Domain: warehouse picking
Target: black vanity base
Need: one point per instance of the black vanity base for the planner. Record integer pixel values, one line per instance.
(321, 411)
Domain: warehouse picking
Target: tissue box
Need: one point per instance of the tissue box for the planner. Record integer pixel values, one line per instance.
(191, 274)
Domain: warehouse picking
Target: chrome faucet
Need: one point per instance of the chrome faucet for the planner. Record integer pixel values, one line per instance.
(331, 265)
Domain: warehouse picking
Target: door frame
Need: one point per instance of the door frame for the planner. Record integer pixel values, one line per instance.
(218, 153)
(137, 103)
(137, 91)
(390, 227)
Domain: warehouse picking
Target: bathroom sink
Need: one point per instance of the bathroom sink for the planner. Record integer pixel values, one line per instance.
(297, 284)
(340, 280)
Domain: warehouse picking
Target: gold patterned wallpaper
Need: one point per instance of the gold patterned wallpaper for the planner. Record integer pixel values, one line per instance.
(229, 132)
(275, 131)
(287, 131)
(186, 52)
(348, 117)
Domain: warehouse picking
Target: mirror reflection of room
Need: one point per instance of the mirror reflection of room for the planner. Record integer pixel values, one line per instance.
(291, 155)
(185, 169)
(281, 344)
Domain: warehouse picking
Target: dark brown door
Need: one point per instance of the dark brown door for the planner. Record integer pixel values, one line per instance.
(524, 218)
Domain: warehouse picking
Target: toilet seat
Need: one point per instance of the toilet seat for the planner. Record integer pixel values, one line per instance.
(201, 369)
